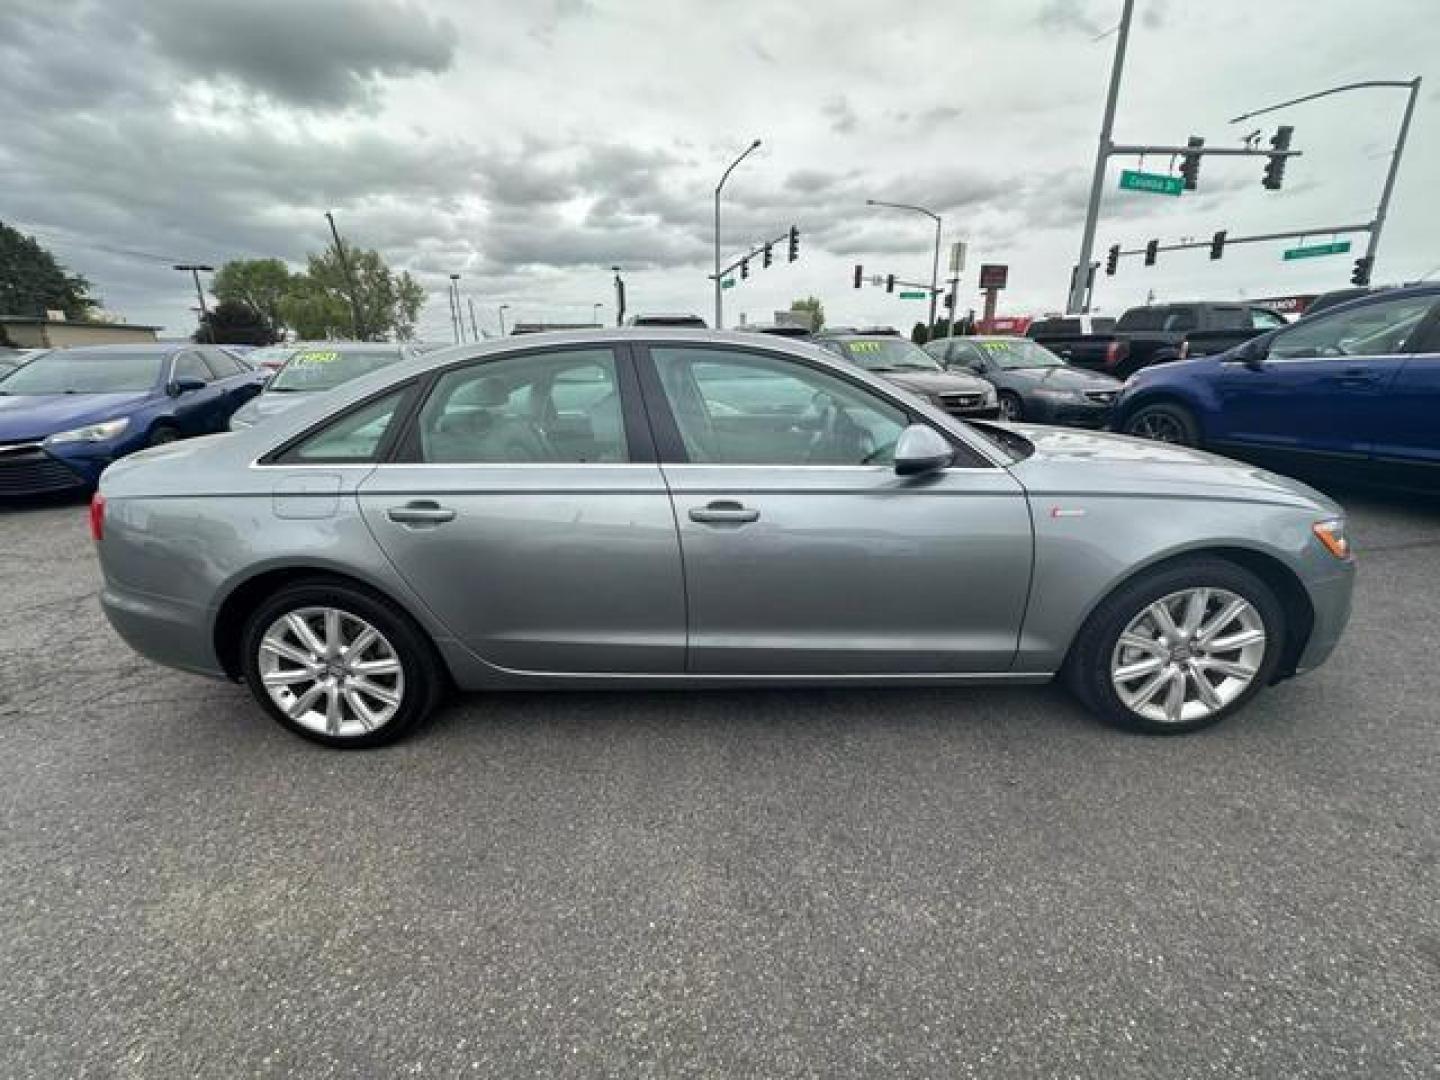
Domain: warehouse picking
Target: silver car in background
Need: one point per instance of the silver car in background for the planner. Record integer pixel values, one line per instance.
(313, 368)
(657, 508)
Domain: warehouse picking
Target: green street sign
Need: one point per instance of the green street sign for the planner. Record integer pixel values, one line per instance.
(1154, 183)
(727, 283)
(1336, 247)
(912, 296)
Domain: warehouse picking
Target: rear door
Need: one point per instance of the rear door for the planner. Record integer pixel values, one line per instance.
(1409, 440)
(528, 511)
(1326, 388)
(804, 552)
(236, 380)
(203, 411)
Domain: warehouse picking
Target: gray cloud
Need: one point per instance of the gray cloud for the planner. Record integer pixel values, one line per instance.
(841, 114)
(313, 54)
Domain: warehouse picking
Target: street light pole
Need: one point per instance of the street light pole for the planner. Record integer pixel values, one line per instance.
(458, 320)
(1076, 300)
(619, 297)
(474, 325)
(719, 310)
(935, 264)
(1412, 85)
(595, 313)
(349, 278)
(195, 269)
(503, 308)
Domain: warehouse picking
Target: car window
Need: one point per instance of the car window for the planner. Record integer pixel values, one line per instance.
(1381, 329)
(191, 365)
(1102, 326)
(1181, 319)
(225, 364)
(105, 370)
(355, 437)
(1055, 326)
(1229, 318)
(561, 407)
(324, 367)
(1265, 319)
(966, 355)
(737, 408)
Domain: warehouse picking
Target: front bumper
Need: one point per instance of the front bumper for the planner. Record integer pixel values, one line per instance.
(1331, 599)
(1080, 413)
(30, 469)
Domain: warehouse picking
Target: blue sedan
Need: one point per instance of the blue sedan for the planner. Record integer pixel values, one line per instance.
(69, 413)
(1355, 389)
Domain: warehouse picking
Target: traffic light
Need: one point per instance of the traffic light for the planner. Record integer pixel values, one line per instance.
(1190, 164)
(890, 283)
(1361, 274)
(794, 243)
(765, 260)
(950, 299)
(859, 273)
(1151, 250)
(744, 268)
(1217, 244)
(1112, 260)
(1275, 165)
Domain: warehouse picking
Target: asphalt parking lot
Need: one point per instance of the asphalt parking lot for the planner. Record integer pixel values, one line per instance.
(829, 884)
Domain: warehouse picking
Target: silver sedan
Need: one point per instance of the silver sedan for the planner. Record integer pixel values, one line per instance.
(666, 508)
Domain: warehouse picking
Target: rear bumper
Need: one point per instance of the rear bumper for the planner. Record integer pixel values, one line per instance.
(169, 632)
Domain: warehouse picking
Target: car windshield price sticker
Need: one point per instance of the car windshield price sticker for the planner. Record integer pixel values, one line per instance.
(315, 358)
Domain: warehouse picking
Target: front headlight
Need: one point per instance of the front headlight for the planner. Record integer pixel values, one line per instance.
(1331, 533)
(90, 433)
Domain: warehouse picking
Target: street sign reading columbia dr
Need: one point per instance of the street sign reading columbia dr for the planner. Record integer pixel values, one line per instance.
(1154, 183)
(1335, 247)
(912, 296)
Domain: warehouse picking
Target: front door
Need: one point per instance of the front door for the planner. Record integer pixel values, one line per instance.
(804, 552)
(532, 518)
(1325, 385)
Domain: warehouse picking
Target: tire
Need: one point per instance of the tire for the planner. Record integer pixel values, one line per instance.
(1164, 421)
(415, 680)
(1097, 656)
(1011, 408)
(161, 434)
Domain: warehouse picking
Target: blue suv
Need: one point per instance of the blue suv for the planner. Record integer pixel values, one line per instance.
(1354, 389)
(70, 412)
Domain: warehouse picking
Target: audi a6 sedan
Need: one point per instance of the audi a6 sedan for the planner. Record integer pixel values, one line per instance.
(658, 508)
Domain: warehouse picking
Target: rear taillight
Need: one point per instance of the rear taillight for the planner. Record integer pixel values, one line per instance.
(97, 517)
(1113, 352)
(1184, 349)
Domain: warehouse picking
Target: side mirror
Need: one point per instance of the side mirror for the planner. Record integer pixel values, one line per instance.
(921, 449)
(1254, 357)
(184, 384)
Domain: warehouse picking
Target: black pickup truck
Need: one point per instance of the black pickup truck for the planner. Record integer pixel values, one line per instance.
(1155, 334)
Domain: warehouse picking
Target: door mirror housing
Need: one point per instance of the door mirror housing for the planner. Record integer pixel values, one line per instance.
(183, 384)
(921, 449)
(1254, 357)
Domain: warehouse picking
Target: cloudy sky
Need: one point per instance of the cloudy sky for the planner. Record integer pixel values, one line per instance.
(530, 146)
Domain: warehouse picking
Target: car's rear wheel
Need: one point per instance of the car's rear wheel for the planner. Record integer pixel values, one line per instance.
(1179, 648)
(1011, 408)
(334, 664)
(1164, 422)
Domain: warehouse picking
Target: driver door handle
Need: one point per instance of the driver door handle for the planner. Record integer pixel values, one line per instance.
(724, 512)
(420, 512)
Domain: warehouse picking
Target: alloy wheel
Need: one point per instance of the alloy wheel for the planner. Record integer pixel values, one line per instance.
(331, 671)
(1159, 426)
(1188, 655)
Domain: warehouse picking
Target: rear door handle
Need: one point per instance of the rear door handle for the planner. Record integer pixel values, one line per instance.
(420, 512)
(724, 512)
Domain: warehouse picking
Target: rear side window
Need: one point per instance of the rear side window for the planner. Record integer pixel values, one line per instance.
(1229, 318)
(190, 365)
(354, 438)
(1055, 327)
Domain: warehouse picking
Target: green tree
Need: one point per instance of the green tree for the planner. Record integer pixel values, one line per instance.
(259, 284)
(32, 282)
(919, 333)
(233, 322)
(385, 303)
(816, 310)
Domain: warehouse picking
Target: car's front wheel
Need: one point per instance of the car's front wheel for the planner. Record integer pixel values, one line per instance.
(1011, 407)
(1164, 422)
(1179, 648)
(334, 664)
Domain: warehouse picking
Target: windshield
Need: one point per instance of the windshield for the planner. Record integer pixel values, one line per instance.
(270, 354)
(889, 354)
(1011, 353)
(87, 371)
(327, 368)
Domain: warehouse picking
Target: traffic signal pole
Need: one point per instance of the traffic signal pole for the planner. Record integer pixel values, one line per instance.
(1076, 300)
(1260, 238)
(1413, 86)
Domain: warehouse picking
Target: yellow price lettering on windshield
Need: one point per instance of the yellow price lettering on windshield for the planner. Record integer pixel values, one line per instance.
(864, 346)
(995, 346)
(315, 358)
